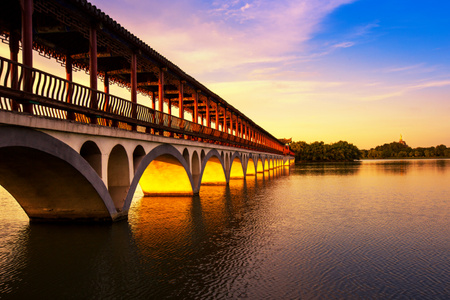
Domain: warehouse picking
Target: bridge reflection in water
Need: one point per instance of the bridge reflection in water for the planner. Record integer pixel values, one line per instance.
(164, 236)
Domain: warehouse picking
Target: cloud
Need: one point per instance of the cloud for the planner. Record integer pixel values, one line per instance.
(203, 37)
(344, 45)
(431, 84)
(392, 91)
(245, 7)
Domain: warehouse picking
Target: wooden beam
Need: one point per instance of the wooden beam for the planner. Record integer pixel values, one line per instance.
(87, 55)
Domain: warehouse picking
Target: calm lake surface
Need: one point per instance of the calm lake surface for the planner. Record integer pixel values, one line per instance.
(368, 230)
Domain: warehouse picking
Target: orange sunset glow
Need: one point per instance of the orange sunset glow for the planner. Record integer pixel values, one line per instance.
(165, 176)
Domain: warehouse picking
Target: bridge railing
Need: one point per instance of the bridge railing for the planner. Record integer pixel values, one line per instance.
(24, 89)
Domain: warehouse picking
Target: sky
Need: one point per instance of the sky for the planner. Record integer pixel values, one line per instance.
(363, 71)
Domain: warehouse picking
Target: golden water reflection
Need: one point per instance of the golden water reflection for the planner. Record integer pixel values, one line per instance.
(328, 231)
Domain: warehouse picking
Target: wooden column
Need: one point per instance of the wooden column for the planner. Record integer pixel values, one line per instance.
(225, 124)
(231, 123)
(14, 38)
(134, 85)
(153, 100)
(161, 90)
(93, 70)
(93, 63)
(180, 100)
(69, 86)
(195, 107)
(242, 132)
(217, 116)
(27, 48)
(245, 131)
(106, 90)
(208, 119)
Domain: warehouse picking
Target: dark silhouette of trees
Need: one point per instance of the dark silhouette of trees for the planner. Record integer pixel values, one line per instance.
(320, 152)
(399, 150)
(344, 151)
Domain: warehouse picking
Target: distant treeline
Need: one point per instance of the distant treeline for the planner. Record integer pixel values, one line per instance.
(344, 151)
(399, 150)
(320, 152)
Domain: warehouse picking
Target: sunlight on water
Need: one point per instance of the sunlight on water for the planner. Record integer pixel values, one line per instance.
(368, 230)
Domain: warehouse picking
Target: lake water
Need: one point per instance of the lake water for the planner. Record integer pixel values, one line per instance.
(368, 230)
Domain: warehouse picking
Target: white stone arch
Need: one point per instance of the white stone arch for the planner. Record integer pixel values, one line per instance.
(213, 153)
(265, 162)
(60, 183)
(254, 158)
(161, 150)
(242, 167)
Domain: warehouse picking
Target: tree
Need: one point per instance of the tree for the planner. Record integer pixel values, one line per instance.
(321, 152)
(440, 150)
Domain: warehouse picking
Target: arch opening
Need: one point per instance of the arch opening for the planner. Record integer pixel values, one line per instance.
(186, 156)
(259, 166)
(250, 167)
(118, 176)
(202, 155)
(213, 174)
(138, 155)
(166, 176)
(49, 188)
(236, 171)
(91, 153)
(287, 162)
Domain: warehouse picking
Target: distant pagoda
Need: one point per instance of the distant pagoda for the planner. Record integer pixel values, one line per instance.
(402, 141)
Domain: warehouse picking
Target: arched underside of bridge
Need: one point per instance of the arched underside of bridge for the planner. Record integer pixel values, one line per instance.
(213, 169)
(250, 167)
(237, 169)
(259, 166)
(50, 180)
(162, 172)
(166, 176)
